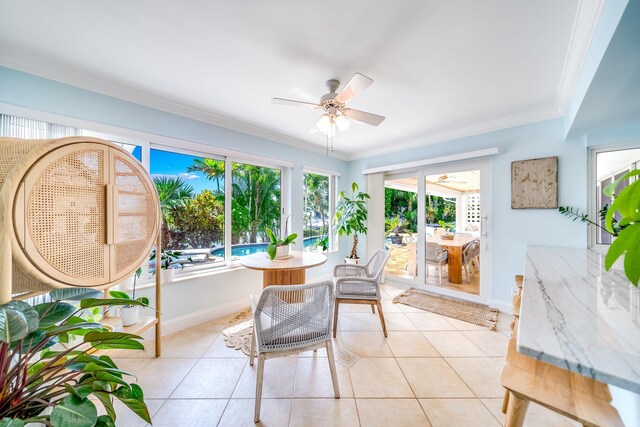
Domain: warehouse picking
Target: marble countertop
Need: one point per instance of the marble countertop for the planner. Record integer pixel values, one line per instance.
(576, 315)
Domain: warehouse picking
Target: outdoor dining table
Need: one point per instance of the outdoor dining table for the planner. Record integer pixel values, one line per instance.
(454, 247)
(290, 271)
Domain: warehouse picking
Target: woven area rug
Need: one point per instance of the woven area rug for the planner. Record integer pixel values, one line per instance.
(237, 333)
(477, 314)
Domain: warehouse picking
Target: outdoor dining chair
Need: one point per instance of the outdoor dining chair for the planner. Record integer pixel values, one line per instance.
(291, 319)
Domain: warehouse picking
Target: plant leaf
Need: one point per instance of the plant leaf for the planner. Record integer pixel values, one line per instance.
(143, 300)
(13, 325)
(74, 411)
(73, 327)
(105, 421)
(29, 313)
(8, 422)
(132, 397)
(52, 313)
(74, 294)
(272, 237)
(628, 243)
(107, 402)
(119, 294)
(272, 250)
(101, 302)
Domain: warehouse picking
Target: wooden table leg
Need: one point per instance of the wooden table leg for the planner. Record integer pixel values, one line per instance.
(455, 264)
(283, 277)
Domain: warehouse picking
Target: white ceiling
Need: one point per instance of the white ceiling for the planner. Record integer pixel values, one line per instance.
(442, 69)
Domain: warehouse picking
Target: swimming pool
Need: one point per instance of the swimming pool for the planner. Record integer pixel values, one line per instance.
(252, 248)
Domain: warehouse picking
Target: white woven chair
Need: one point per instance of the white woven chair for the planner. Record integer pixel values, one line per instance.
(470, 255)
(437, 257)
(360, 284)
(288, 320)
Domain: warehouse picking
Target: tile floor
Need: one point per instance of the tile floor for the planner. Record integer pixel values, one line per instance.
(430, 371)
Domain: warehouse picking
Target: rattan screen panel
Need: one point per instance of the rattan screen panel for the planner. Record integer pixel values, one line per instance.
(136, 214)
(65, 214)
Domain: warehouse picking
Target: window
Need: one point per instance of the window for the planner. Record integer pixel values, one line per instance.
(19, 127)
(255, 206)
(610, 166)
(192, 197)
(316, 211)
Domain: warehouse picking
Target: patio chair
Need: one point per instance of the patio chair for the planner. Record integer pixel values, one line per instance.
(290, 319)
(412, 264)
(437, 257)
(469, 253)
(360, 284)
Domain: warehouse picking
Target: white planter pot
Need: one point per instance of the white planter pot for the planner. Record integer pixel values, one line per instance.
(352, 260)
(167, 275)
(282, 252)
(130, 315)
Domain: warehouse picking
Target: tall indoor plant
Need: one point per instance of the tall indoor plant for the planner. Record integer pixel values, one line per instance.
(44, 383)
(351, 217)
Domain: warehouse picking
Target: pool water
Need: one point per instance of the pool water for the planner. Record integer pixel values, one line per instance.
(252, 248)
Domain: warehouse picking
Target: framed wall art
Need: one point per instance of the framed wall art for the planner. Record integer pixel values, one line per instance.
(534, 183)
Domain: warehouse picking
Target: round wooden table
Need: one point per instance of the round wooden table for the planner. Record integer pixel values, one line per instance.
(289, 271)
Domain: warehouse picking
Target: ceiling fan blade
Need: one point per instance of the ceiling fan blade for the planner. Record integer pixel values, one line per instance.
(292, 103)
(361, 116)
(357, 84)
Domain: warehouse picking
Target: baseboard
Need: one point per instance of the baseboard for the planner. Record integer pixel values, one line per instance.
(192, 319)
(503, 306)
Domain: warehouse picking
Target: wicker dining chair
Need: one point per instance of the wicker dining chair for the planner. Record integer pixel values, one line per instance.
(436, 256)
(288, 320)
(469, 253)
(360, 284)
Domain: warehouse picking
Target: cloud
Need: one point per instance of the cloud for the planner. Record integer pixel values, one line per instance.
(188, 176)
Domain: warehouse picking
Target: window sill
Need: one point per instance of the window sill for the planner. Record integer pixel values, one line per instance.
(186, 275)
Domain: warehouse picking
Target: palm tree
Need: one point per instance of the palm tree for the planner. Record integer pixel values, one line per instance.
(212, 169)
(172, 191)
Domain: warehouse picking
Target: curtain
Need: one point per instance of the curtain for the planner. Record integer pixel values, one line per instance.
(19, 127)
(375, 219)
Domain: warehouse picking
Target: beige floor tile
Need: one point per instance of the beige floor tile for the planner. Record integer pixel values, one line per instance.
(160, 377)
(359, 322)
(426, 321)
(390, 307)
(502, 360)
(189, 412)
(465, 326)
(355, 308)
(273, 413)
(187, 343)
(379, 378)
(393, 291)
(453, 344)
(220, 349)
(458, 413)
(126, 417)
(324, 412)
(211, 379)
(410, 344)
(216, 325)
(433, 378)
(132, 366)
(313, 379)
(365, 343)
(278, 379)
(391, 412)
(504, 321)
(537, 416)
(481, 374)
(398, 322)
(491, 342)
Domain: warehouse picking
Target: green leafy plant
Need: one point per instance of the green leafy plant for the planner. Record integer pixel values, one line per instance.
(324, 243)
(274, 242)
(167, 258)
(123, 295)
(351, 216)
(575, 214)
(627, 205)
(394, 225)
(447, 226)
(38, 376)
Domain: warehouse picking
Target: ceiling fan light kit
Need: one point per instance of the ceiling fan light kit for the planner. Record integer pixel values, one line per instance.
(337, 115)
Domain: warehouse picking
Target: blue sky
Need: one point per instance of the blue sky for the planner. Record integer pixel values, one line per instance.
(175, 165)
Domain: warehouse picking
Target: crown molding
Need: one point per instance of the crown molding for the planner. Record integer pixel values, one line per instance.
(478, 129)
(67, 75)
(578, 48)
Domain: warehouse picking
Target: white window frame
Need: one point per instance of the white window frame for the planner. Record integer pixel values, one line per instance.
(593, 190)
(333, 194)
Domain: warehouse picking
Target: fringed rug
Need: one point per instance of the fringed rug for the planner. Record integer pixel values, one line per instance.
(477, 314)
(237, 334)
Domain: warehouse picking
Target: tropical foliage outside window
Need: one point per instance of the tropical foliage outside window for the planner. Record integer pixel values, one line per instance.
(316, 211)
(404, 205)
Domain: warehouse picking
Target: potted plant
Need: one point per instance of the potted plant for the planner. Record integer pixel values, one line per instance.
(59, 386)
(130, 314)
(395, 225)
(447, 226)
(627, 205)
(167, 261)
(351, 218)
(279, 248)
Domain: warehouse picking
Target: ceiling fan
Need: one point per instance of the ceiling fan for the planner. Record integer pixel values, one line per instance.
(337, 115)
(444, 179)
